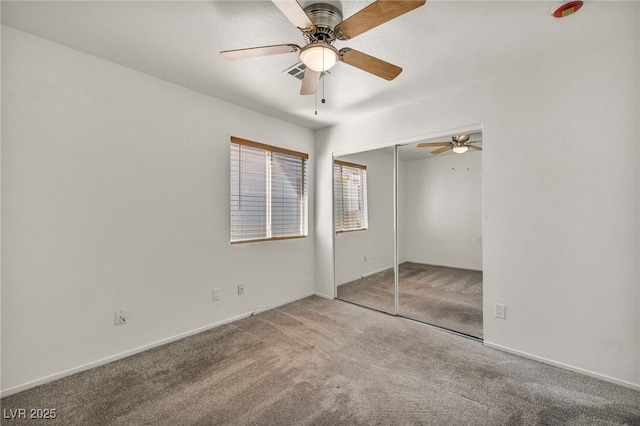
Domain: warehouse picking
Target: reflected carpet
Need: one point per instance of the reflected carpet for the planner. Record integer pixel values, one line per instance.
(446, 297)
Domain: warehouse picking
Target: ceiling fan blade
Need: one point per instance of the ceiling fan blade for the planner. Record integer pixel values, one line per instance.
(369, 64)
(373, 15)
(253, 52)
(310, 82)
(477, 148)
(427, 144)
(294, 13)
(441, 150)
(463, 138)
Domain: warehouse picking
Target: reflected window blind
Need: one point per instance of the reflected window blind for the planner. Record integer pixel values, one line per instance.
(268, 192)
(350, 196)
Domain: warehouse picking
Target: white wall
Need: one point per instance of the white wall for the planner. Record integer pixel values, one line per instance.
(444, 210)
(115, 195)
(560, 194)
(376, 243)
(402, 210)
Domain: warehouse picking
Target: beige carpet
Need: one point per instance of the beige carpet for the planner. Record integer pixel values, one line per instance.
(446, 297)
(324, 362)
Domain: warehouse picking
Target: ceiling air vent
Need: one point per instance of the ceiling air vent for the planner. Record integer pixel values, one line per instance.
(297, 71)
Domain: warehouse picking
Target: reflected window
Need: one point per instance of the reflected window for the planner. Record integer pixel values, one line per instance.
(350, 196)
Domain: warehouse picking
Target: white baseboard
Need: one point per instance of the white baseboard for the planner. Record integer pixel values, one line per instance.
(564, 366)
(324, 296)
(107, 360)
(368, 274)
(445, 266)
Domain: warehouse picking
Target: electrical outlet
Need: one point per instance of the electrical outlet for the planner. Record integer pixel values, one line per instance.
(216, 294)
(121, 317)
(499, 310)
(240, 289)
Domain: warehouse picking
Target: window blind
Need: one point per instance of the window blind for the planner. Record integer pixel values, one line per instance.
(268, 192)
(350, 196)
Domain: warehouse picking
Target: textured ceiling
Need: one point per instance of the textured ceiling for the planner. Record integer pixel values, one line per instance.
(442, 45)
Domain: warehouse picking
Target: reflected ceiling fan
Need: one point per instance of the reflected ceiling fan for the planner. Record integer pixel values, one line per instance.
(321, 25)
(459, 144)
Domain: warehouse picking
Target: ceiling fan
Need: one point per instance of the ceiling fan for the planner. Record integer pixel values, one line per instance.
(459, 144)
(321, 25)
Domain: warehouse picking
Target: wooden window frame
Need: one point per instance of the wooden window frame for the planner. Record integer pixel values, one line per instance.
(304, 189)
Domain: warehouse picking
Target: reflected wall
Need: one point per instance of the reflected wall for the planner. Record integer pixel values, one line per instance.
(440, 279)
(364, 259)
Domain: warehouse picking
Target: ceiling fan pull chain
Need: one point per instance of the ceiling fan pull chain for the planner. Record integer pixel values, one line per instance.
(323, 75)
(316, 96)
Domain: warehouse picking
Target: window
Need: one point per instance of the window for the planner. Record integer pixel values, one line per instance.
(350, 196)
(268, 192)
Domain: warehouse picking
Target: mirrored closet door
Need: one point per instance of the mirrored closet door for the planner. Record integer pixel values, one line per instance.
(430, 269)
(364, 229)
(440, 234)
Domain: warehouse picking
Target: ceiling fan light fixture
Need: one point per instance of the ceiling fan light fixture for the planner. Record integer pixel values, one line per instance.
(460, 149)
(319, 56)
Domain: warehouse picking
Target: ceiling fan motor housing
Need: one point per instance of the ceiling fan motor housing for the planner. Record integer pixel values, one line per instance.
(325, 18)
